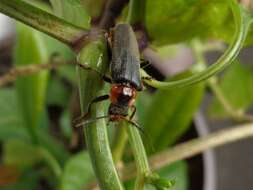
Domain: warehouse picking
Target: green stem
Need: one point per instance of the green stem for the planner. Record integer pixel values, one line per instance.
(91, 86)
(43, 21)
(119, 142)
(140, 156)
(242, 23)
(136, 15)
(199, 50)
(51, 161)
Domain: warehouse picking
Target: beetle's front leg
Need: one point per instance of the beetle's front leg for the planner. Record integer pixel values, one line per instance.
(86, 115)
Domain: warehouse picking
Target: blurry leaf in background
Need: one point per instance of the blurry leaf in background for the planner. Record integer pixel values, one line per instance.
(57, 94)
(8, 175)
(27, 181)
(237, 87)
(77, 172)
(93, 7)
(54, 146)
(177, 171)
(66, 123)
(20, 153)
(194, 16)
(11, 121)
(170, 113)
(142, 104)
(30, 49)
(72, 11)
(68, 72)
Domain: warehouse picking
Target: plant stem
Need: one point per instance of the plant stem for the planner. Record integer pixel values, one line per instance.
(91, 86)
(140, 157)
(242, 23)
(119, 142)
(193, 147)
(43, 21)
(199, 50)
(136, 15)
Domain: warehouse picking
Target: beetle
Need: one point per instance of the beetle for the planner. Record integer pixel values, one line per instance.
(125, 76)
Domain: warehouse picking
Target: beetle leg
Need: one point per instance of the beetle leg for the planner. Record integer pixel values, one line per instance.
(133, 113)
(95, 100)
(105, 78)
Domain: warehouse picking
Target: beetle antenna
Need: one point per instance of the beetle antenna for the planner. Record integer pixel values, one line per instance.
(91, 121)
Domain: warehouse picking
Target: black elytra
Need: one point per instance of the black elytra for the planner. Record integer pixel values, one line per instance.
(125, 63)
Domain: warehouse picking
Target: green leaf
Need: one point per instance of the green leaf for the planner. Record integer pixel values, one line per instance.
(72, 11)
(30, 49)
(28, 180)
(20, 153)
(65, 122)
(68, 72)
(237, 87)
(77, 172)
(93, 7)
(11, 123)
(53, 146)
(58, 94)
(180, 20)
(170, 113)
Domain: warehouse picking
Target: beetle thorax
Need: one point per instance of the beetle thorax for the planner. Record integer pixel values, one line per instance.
(123, 95)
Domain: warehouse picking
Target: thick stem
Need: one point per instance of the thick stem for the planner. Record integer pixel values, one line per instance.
(242, 23)
(140, 157)
(91, 86)
(43, 21)
(136, 15)
(119, 142)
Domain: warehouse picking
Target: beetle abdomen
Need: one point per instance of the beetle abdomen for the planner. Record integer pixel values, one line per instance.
(125, 65)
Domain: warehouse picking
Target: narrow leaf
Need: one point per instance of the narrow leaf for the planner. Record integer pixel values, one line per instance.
(77, 172)
(237, 87)
(30, 49)
(170, 113)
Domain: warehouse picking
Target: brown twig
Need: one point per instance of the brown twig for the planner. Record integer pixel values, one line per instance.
(14, 73)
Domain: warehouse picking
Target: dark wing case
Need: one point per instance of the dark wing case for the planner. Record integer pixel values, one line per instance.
(125, 65)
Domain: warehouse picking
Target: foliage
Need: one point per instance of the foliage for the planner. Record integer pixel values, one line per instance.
(39, 143)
